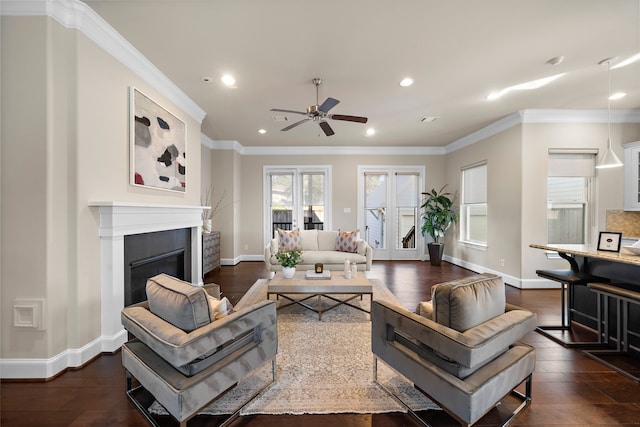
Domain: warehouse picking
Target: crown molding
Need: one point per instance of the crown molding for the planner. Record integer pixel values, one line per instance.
(317, 150)
(532, 116)
(538, 116)
(75, 14)
(345, 151)
(580, 116)
(494, 128)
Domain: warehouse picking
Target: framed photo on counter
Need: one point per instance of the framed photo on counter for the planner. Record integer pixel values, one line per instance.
(609, 241)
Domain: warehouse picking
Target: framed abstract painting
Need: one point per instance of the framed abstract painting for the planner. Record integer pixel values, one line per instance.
(157, 142)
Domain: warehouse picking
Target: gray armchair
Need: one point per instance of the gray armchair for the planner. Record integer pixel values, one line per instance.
(187, 352)
(461, 348)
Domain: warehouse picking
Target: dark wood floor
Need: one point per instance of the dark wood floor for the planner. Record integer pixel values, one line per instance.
(569, 389)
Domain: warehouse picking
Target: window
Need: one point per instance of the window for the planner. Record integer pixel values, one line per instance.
(473, 210)
(388, 204)
(313, 200)
(568, 194)
(375, 205)
(298, 197)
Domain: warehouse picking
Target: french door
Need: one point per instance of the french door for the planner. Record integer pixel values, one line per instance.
(296, 197)
(388, 206)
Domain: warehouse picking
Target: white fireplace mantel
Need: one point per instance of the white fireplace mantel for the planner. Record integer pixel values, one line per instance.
(121, 219)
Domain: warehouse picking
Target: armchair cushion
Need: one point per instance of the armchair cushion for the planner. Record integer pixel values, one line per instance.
(191, 352)
(465, 303)
(461, 353)
(178, 302)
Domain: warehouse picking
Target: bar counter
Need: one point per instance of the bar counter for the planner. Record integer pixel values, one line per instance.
(621, 269)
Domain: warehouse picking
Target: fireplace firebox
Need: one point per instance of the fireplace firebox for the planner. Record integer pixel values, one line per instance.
(148, 254)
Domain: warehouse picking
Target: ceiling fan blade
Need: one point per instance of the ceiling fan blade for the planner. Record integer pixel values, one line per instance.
(295, 124)
(288, 111)
(328, 104)
(326, 128)
(357, 119)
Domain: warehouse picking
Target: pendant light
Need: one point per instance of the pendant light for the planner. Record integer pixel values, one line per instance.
(609, 158)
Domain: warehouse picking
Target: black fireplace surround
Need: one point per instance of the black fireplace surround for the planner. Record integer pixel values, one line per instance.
(148, 254)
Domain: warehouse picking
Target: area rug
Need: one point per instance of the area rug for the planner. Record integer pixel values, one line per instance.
(321, 367)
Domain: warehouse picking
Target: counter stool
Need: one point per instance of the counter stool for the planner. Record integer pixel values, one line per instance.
(567, 279)
(623, 297)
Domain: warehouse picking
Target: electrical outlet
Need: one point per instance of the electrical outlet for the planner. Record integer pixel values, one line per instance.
(502, 262)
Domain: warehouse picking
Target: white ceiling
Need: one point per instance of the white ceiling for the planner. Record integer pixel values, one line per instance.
(458, 51)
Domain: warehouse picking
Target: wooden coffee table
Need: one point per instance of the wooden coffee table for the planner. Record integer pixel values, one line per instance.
(328, 288)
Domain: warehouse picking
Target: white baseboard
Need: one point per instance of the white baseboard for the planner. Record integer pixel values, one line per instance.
(70, 358)
(238, 259)
(514, 281)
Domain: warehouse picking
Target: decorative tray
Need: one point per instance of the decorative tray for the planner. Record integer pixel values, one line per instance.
(311, 275)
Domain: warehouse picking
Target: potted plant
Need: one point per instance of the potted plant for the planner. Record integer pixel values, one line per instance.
(289, 260)
(437, 216)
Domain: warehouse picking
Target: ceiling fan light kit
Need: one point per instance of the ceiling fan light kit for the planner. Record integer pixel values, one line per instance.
(320, 113)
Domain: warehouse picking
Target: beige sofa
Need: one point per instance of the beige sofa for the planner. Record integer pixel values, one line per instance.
(319, 246)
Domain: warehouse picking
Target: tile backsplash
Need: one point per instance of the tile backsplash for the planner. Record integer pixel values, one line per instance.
(626, 222)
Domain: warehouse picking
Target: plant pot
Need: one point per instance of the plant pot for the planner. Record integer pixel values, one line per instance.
(436, 250)
(288, 272)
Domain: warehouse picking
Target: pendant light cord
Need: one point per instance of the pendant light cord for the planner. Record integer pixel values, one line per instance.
(609, 105)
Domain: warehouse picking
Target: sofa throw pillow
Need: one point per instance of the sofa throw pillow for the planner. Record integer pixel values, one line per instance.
(219, 308)
(347, 241)
(289, 240)
(180, 303)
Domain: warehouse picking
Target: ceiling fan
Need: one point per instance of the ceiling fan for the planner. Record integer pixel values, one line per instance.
(320, 113)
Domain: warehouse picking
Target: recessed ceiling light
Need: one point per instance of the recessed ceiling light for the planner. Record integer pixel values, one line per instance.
(534, 84)
(406, 82)
(556, 61)
(207, 79)
(429, 119)
(262, 131)
(371, 131)
(617, 95)
(228, 80)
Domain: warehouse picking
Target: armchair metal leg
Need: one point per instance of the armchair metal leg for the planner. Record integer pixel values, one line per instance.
(395, 396)
(525, 400)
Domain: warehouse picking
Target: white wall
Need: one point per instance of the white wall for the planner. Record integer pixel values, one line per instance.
(65, 143)
(242, 226)
(537, 140)
(502, 152)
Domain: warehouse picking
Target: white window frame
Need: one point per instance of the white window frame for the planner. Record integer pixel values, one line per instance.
(467, 200)
(578, 163)
(297, 171)
(390, 252)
